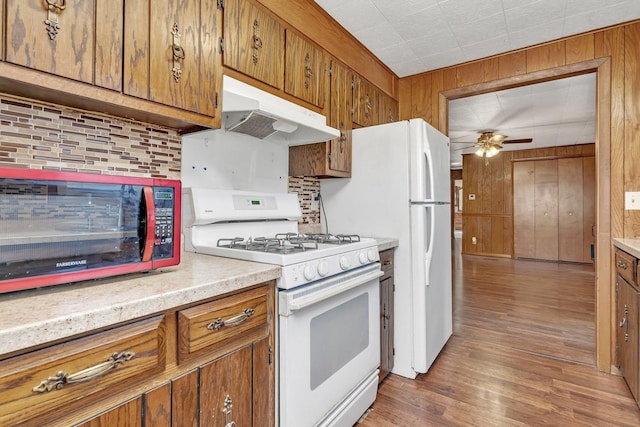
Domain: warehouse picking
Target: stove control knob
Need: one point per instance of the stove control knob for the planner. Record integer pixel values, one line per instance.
(362, 257)
(309, 272)
(345, 262)
(371, 254)
(323, 268)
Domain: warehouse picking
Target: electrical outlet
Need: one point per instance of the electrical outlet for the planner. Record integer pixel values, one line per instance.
(632, 200)
(315, 202)
(472, 196)
(474, 241)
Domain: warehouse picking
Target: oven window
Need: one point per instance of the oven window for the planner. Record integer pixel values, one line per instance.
(338, 336)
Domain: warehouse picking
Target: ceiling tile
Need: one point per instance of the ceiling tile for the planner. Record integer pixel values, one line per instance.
(486, 47)
(429, 21)
(381, 36)
(395, 10)
(459, 12)
(484, 29)
(356, 15)
(534, 14)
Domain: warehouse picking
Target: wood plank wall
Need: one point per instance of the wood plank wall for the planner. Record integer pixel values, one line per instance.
(420, 96)
(489, 217)
(614, 53)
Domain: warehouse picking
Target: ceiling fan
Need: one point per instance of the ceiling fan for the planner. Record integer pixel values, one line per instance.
(488, 144)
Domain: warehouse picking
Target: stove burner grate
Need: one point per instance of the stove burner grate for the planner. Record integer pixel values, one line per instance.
(281, 243)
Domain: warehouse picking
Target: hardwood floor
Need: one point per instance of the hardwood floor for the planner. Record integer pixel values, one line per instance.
(522, 354)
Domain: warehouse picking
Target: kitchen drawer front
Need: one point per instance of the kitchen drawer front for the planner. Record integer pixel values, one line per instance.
(386, 260)
(231, 322)
(626, 267)
(53, 382)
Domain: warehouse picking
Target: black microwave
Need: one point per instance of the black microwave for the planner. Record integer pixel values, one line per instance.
(60, 227)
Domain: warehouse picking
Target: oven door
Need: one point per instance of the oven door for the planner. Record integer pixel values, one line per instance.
(329, 349)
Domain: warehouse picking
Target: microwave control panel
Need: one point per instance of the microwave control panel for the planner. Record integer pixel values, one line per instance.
(164, 200)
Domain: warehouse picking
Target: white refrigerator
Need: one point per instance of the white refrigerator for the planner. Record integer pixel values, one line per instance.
(400, 188)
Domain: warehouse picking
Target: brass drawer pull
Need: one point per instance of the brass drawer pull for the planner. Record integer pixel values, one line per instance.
(217, 324)
(621, 265)
(54, 9)
(257, 43)
(178, 53)
(387, 262)
(62, 378)
(226, 410)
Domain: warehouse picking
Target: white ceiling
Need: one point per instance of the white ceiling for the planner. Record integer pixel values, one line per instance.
(414, 36)
(555, 113)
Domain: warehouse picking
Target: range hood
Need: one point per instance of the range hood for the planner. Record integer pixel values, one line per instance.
(252, 111)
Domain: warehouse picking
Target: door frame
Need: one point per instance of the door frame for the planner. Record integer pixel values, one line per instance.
(605, 321)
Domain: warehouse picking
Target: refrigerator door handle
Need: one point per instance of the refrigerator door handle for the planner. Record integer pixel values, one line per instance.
(430, 229)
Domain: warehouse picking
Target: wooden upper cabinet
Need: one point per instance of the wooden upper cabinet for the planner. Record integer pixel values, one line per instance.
(305, 70)
(253, 42)
(171, 54)
(80, 40)
(331, 158)
(388, 109)
(340, 118)
(365, 102)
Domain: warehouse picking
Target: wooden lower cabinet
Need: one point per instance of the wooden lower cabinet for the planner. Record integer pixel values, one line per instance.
(628, 321)
(386, 314)
(231, 380)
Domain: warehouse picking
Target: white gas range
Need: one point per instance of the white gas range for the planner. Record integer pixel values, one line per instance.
(328, 299)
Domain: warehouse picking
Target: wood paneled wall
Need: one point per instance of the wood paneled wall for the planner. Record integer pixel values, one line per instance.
(489, 217)
(613, 53)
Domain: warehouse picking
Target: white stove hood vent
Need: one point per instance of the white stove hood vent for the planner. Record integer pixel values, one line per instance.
(252, 111)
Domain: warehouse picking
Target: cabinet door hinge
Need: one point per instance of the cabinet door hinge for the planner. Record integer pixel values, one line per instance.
(216, 101)
(270, 354)
(329, 158)
(221, 45)
(220, 4)
(393, 351)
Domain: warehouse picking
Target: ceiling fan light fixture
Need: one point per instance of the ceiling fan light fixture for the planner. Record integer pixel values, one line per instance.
(492, 151)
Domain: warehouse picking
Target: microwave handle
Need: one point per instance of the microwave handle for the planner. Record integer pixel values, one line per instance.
(150, 232)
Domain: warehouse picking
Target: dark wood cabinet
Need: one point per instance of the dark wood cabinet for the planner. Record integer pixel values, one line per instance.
(330, 158)
(254, 42)
(79, 40)
(365, 102)
(386, 313)
(627, 320)
(388, 109)
(305, 70)
(171, 54)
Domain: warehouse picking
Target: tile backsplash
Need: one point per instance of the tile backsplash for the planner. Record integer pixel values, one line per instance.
(305, 186)
(37, 135)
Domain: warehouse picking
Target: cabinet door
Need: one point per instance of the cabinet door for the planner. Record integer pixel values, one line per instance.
(305, 70)
(524, 219)
(365, 102)
(174, 49)
(264, 389)
(226, 390)
(64, 46)
(109, 44)
(386, 352)
(127, 415)
(254, 42)
(627, 334)
(340, 117)
(388, 110)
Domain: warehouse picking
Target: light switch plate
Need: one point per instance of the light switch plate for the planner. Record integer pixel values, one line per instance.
(632, 200)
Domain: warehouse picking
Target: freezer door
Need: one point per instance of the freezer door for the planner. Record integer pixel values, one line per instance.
(429, 162)
(431, 282)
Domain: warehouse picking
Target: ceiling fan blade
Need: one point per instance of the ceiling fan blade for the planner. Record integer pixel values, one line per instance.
(517, 141)
(498, 138)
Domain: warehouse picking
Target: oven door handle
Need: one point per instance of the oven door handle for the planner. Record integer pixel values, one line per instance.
(288, 306)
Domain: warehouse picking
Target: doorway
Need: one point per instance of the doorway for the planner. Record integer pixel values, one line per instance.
(602, 69)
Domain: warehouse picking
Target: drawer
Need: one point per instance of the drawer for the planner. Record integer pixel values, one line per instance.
(626, 266)
(54, 381)
(229, 323)
(386, 260)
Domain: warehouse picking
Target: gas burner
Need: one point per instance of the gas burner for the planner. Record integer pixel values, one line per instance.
(282, 243)
(338, 239)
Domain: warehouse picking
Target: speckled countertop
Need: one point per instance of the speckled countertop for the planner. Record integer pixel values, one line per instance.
(37, 316)
(631, 246)
(385, 243)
